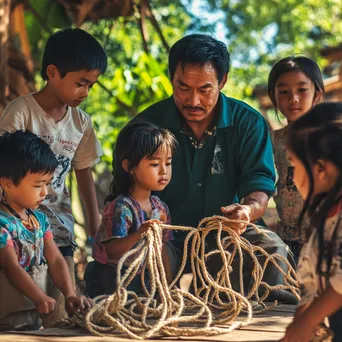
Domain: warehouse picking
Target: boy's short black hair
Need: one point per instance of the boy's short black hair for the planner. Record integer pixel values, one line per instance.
(73, 49)
(200, 49)
(22, 152)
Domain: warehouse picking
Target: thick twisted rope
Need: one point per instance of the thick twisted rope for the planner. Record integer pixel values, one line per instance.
(169, 311)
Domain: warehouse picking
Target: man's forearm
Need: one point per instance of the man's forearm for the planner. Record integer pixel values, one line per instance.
(256, 202)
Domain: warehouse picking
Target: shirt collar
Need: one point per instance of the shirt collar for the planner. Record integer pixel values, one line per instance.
(224, 119)
(209, 132)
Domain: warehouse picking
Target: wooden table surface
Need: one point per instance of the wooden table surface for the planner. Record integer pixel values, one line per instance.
(269, 326)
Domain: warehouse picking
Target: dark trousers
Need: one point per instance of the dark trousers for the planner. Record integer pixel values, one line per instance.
(295, 248)
(102, 279)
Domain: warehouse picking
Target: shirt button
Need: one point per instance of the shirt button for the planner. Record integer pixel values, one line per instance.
(199, 184)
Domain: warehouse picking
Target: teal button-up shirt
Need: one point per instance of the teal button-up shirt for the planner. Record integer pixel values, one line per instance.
(234, 162)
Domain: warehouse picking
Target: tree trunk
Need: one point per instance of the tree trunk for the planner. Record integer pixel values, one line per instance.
(16, 66)
(20, 64)
(4, 28)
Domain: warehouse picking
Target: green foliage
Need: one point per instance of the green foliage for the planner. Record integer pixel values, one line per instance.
(261, 32)
(278, 26)
(134, 79)
(257, 34)
(53, 14)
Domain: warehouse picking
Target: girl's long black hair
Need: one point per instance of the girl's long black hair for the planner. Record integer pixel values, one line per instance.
(316, 136)
(137, 140)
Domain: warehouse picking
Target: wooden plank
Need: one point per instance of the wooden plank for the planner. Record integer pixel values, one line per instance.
(237, 335)
(269, 326)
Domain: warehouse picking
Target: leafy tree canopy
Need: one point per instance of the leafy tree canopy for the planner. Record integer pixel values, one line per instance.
(257, 34)
(260, 32)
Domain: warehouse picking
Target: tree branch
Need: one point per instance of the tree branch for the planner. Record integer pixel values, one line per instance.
(123, 105)
(40, 20)
(142, 24)
(155, 24)
(110, 27)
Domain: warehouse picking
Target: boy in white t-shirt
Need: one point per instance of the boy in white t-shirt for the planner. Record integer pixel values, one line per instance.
(72, 62)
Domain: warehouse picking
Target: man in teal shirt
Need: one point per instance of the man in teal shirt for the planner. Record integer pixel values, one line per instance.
(224, 162)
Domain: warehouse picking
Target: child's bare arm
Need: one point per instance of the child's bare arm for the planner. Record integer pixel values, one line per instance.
(117, 247)
(23, 282)
(58, 268)
(303, 325)
(300, 309)
(323, 306)
(87, 191)
(60, 275)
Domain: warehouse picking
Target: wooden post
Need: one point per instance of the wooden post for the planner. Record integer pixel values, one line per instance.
(4, 27)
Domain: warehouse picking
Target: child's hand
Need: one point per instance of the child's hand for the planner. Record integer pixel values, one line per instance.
(299, 331)
(45, 305)
(146, 225)
(77, 304)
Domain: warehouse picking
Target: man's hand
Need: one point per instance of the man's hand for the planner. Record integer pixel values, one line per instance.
(237, 211)
(78, 304)
(45, 305)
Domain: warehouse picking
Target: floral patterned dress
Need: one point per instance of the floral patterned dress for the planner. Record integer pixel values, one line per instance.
(289, 201)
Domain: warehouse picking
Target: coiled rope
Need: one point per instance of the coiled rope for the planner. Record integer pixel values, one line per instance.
(166, 310)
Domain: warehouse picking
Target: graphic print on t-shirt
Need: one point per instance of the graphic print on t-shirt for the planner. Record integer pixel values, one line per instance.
(62, 169)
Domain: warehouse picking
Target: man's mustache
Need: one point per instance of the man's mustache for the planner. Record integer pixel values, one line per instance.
(193, 108)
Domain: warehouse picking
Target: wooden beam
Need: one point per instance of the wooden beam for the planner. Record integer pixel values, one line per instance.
(5, 7)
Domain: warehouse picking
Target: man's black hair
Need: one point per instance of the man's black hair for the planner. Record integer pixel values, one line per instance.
(73, 49)
(200, 49)
(22, 152)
